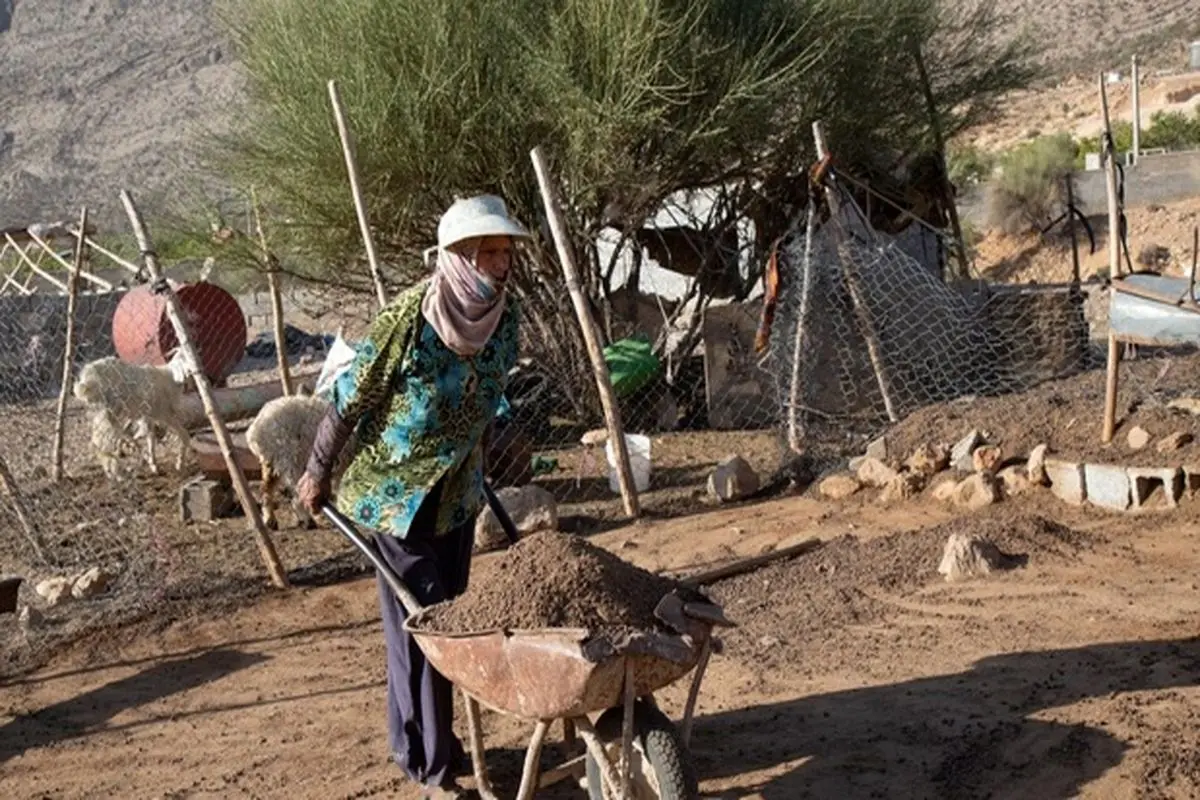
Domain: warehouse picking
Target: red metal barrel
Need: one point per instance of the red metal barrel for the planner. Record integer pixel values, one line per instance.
(143, 334)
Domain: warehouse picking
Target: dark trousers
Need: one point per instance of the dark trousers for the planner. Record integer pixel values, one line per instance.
(420, 702)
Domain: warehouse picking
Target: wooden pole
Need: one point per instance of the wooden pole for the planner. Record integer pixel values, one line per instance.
(271, 264)
(1110, 389)
(356, 190)
(1075, 274)
(31, 532)
(1108, 159)
(60, 418)
(939, 141)
(191, 360)
(745, 565)
(1137, 109)
(795, 427)
(874, 351)
(587, 325)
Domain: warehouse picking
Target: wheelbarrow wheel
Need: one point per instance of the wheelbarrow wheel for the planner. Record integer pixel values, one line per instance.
(662, 765)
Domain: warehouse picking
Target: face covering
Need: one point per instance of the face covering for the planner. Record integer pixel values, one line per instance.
(462, 304)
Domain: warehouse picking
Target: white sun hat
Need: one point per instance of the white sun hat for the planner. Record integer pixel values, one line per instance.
(472, 217)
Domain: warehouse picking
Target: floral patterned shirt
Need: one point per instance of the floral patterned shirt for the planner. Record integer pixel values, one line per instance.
(421, 411)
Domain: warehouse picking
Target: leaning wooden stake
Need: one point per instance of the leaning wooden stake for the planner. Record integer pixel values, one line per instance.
(1110, 388)
(1109, 160)
(191, 360)
(14, 494)
(587, 325)
(874, 351)
(356, 190)
(68, 348)
(271, 265)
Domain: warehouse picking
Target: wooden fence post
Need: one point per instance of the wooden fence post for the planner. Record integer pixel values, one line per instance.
(191, 360)
(60, 421)
(587, 325)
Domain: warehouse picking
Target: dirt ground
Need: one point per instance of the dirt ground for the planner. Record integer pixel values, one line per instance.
(856, 672)
(1030, 258)
(1067, 415)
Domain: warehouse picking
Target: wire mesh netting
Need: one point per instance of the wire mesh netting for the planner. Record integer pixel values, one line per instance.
(868, 331)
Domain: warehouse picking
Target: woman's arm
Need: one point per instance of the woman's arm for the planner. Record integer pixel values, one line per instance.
(360, 389)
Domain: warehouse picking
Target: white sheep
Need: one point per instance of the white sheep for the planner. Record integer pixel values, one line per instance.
(130, 400)
(281, 438)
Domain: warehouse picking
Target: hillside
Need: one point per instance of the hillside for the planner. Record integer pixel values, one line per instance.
(106, 94)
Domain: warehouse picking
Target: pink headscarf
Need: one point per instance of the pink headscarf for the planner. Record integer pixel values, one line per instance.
(462, 304)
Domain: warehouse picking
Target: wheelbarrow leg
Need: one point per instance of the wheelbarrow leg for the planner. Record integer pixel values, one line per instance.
(627, 729)
(529, 776)
(608, 772)
(570, 740)
(475, 733)
(689, 710)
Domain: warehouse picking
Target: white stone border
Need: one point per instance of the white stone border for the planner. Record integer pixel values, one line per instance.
(1119, 488)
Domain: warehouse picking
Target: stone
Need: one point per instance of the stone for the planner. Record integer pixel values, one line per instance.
(976, 491)
(960, 454)
(1191, 479)
(987, 458)
(531, 508)
(1066, 481)
(838, 487)
(873, 472)
(878, 449)
(10, 589)
(904, 486)
(90, 584)
(1035, 468)
(1144, 484)
(594, 437)
(1014, 480)
(1107, 486)
(928, 460)
(944, 491)
(54, 591)
(205, 499)
(1137, 438)
(1189, 404)
(967, 556)
(1173, 442)
(855, 463)
(733, 479)
(30, 619)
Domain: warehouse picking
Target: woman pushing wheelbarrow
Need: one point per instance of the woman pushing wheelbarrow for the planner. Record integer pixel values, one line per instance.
(421, 392)
(423, 388)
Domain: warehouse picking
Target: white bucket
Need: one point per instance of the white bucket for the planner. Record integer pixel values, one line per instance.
(639, 462)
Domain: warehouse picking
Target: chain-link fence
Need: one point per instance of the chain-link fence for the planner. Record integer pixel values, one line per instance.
(869, 339)
(102, 537)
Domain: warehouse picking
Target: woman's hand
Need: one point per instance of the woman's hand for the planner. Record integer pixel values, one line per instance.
(312, 493)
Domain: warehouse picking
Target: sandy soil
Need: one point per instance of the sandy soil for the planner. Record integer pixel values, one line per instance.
(1032, 259)
(1066, 415)
(1073, 676)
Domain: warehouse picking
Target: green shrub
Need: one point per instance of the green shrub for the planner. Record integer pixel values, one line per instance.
(1030, 190)
(969, 165)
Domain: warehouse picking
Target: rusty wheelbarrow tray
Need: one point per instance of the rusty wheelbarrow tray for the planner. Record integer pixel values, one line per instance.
(567, 674)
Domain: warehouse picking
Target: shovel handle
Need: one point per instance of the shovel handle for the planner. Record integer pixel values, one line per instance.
(410, 603)
(510, 530)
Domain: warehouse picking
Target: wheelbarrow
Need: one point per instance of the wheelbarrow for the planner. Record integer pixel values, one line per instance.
(557, 674)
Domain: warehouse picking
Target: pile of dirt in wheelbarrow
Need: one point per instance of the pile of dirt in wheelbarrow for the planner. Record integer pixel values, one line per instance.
(557, 580)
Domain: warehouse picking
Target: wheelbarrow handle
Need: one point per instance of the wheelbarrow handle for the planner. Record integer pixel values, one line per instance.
(410, 603)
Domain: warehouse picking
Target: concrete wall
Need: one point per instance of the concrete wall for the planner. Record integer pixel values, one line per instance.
(33, 334)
